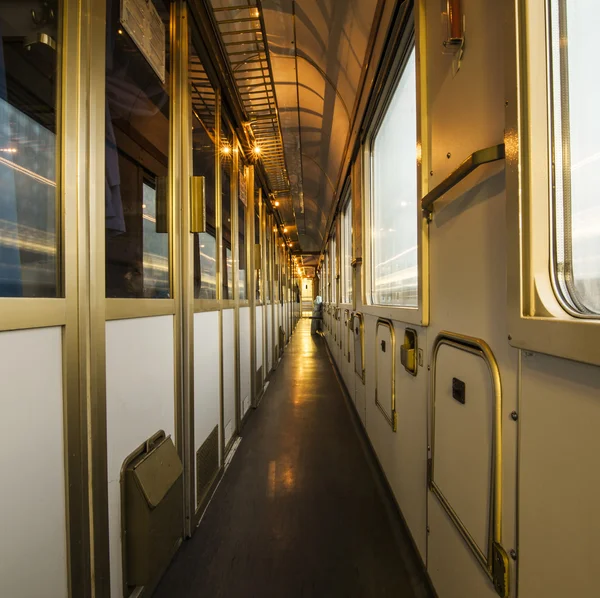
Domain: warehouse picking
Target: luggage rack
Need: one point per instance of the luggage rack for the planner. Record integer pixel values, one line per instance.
(244, 36)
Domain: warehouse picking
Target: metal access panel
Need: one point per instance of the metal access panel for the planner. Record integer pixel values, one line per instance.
(153, 509)
(385, 371)
(462, 437)
(358, 326)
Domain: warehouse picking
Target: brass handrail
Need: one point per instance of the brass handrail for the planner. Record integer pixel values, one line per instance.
(478, 158)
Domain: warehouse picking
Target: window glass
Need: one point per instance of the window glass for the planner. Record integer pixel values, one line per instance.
(257, 201)
(326, 281)
(268, 243)
(203, 164)
(29, 210)
(347, 253)
(242, 235)
(137, 154)
(334, 272)
(226, 183)
(575, 99)
(394, 214)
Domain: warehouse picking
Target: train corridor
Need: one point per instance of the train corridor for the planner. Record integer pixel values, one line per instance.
(301, 510)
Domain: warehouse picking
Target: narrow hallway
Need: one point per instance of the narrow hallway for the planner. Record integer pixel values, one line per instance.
(300, 510)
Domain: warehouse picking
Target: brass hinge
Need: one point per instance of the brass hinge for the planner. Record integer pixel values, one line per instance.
(500, 570)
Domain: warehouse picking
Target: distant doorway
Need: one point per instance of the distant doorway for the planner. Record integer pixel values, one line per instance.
(307, 297)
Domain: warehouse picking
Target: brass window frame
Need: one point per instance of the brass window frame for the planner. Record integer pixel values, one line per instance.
(410, 32)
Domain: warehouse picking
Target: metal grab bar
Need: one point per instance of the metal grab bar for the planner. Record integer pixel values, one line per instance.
(478, 158)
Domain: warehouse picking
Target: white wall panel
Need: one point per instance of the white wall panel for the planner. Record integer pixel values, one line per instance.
(33, 549)
(207, 383)
(245, 347)
(559, 478)
(467, 255)
(229, 367)
(140, 400)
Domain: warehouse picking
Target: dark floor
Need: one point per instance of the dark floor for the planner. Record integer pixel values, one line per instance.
(301, 511)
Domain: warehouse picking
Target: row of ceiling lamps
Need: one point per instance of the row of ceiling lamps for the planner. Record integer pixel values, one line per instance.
(256, 150)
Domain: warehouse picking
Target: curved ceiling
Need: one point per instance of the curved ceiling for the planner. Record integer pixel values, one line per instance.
(318, 50)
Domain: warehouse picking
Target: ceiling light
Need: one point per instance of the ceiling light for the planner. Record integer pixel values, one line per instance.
(226, 150)
(256, 150)
(276, 204)
(285, 229)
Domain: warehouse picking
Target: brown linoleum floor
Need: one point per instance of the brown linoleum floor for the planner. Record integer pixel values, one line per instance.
(301, 511)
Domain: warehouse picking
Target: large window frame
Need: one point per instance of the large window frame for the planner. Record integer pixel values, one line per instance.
(347, 290)
(537, 321)
(397, 58)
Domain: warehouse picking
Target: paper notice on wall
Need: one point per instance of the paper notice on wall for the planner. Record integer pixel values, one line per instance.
(242, 187)
(145, 27)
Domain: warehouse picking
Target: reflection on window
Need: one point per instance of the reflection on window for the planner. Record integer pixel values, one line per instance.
(268, 243)
(576, 126)
(156, 250)
(226, 174)
(137, 149)
(203, 160)
(257, 240)
(334, 273)
(242, 249)
(28, 115)
(347, 253)
(394, 276)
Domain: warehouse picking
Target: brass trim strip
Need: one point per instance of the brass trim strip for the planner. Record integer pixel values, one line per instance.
(22, 313)
(391, 417)
(480, 349)
(127, 309)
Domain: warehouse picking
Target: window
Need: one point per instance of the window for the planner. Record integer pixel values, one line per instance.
(136, 158)
(241, 248)
(268, 243)
(29, 202)
(347, 253)
(394, 211)
(226, 183)
(334, 273)
(575, 97)
(325, 278)
(257, 233)
(203, 164)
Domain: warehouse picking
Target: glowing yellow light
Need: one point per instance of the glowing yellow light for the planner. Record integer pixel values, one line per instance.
(226, 150)
(276, 204)
(285, 230)
(120, 31)
(256, 150)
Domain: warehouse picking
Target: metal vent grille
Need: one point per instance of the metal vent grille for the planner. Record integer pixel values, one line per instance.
(207, 465)
(244, 36)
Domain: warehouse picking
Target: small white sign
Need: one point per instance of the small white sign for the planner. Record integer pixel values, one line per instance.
(145, 27)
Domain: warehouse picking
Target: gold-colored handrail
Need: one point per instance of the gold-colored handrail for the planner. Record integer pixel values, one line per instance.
(476, 159)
